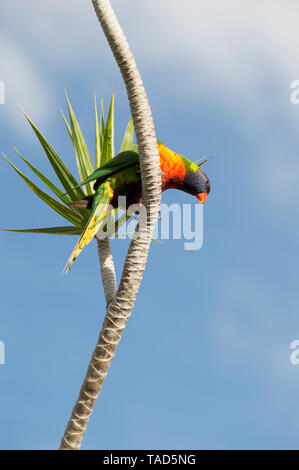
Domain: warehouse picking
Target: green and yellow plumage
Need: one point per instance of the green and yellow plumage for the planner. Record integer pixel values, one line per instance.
(121, 176)
(100, 203)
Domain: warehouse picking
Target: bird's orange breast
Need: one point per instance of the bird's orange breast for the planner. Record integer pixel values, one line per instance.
(172, 168)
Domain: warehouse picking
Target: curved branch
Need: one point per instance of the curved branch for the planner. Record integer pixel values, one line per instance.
(119, 309)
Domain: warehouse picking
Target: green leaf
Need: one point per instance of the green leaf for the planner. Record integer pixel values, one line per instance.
(134, 148)
(69, 230)
(128, 137)
(45, 180)
(97, 134)
(61, 209)
(66, 178)
(83, 212)
(102, 126)
(84, 161)
(108, 143)
(67, 125)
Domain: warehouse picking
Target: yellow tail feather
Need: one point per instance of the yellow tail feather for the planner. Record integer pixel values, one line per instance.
(92, 225)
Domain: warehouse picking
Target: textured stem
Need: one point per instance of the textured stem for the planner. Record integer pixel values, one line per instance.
(107, 269)
(119, 309)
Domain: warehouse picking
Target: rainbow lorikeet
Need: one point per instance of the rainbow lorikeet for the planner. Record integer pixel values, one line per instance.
(121, 176)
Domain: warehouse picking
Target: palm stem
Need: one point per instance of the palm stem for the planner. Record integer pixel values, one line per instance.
(107, 269)
(119, 309)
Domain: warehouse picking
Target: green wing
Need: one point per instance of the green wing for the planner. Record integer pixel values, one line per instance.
(123, 160)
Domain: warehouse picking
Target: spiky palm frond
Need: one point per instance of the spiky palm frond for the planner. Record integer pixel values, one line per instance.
(104, 151)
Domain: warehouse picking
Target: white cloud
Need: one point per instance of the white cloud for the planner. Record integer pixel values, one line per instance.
(63, 32)
(225, 42)
(226, 35)
(24, 85)
(233, 49)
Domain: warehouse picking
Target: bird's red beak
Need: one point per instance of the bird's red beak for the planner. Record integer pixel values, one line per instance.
(202, 197)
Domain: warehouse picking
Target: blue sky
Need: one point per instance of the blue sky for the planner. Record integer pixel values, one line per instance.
(205, 359)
